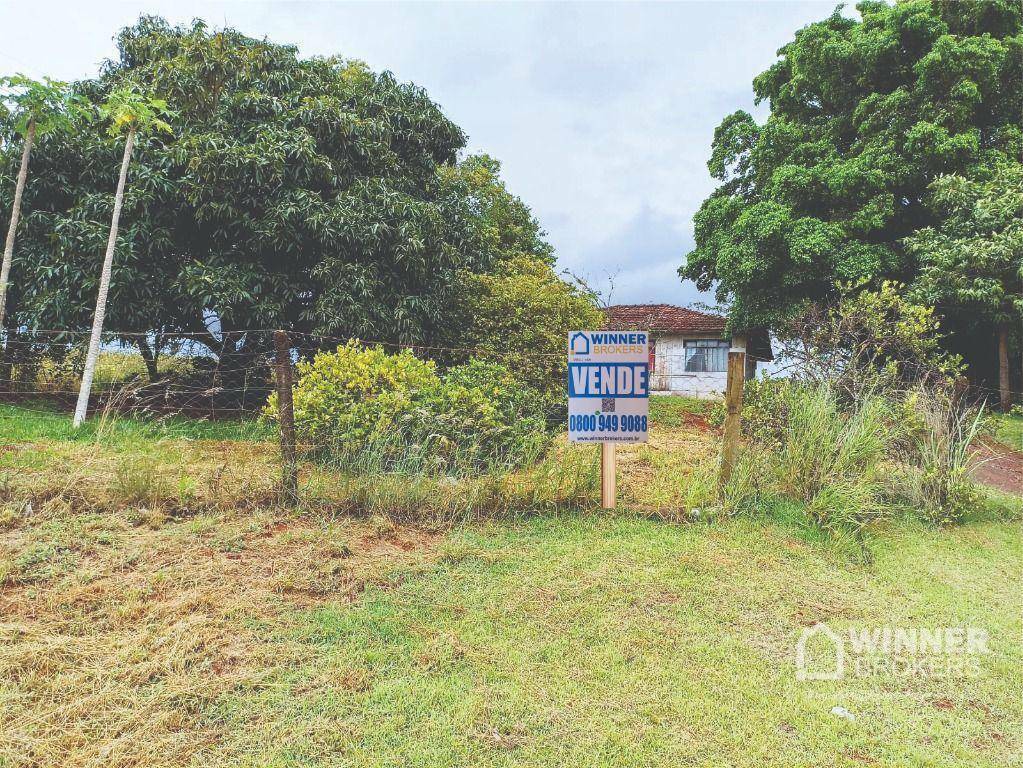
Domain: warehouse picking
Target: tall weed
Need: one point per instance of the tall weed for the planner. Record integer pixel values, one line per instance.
(811, 449)
(943, 428)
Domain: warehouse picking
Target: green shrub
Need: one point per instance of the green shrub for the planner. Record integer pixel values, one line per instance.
(805, 446)
(830, 459)
(520, 316)
(941, 427)
(765, 403)
(374, 411)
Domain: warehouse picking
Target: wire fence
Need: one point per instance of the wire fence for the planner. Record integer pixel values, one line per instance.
(219, 386)
(230, 376)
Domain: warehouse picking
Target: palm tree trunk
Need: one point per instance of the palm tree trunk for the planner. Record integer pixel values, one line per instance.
(104, 288)
(5, 268)
(1004, 390)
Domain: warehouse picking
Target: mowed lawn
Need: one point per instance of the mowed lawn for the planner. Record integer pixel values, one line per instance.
(239, 634)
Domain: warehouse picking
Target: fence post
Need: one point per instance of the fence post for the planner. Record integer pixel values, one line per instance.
(733, 411)
(286, 412)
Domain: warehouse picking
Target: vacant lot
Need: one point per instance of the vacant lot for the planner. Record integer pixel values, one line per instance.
(158, 608)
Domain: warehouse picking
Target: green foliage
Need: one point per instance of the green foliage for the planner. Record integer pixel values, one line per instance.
(1009, 428)
(506, 227)
(129, 109)
(847, 460)
(864, 115)
(311, 194)
(941, 428)
(675, 412)
(806, 446)
(764, 409)
(867, 340)
(973, 260)
(356, 392)
(48, 104)
(520, 316)
(393, 412)
(830, 459)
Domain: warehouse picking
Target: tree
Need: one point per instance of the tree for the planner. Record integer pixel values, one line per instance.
(34, 108)
(866, 341)
(519, 312)
(972, 262)
(295, 193)
(864, 115)
(520, 316)
(130, 112)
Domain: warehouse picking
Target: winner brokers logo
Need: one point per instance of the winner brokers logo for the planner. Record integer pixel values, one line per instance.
(939, 652)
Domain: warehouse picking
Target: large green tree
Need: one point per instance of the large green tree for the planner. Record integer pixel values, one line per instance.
(972, 264)
(864, 114)
(303, 193)
(520, 311)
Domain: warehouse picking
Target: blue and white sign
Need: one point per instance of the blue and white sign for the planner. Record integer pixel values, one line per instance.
(608, 386)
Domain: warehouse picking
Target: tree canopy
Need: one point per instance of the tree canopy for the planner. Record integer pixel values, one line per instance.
(47, 103)
(864, 115)
(974, 258)
(312, 194)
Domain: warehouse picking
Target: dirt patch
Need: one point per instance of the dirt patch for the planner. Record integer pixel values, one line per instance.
(998, 466)
(698, 422)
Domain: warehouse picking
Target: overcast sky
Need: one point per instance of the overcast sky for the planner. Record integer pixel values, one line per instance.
(601, 114)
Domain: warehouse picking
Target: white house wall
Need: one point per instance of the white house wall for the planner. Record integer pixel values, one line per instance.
(670, 377)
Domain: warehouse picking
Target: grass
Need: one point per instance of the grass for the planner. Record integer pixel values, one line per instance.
(114, 367)
(672, 411)
(34, 421)
(1009, 429)
(158, 608)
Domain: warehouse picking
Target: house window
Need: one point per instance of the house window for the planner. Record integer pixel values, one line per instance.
(706, 355)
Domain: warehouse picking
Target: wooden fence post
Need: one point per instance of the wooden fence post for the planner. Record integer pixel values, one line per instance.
(733, 411)
(286, 412)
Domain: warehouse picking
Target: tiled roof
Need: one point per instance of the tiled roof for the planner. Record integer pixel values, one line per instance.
(662, 317)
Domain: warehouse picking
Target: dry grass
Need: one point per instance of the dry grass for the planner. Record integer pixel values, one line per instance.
(120, 630)
(671, 477)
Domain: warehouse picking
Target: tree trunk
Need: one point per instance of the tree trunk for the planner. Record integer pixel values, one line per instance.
(5, 268)
(1004, 390)
(104, 288)
(149, 355)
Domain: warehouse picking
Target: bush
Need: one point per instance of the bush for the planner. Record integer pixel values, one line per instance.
(365, 408)
(941, 427)
(840, 457)
(867, 341)
(764, 409)
(520, 317)
(803, 445)
(830, 459)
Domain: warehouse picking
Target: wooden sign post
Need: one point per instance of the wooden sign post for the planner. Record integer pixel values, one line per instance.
(608, 476)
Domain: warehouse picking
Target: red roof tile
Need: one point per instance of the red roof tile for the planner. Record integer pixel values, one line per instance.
(662, 317)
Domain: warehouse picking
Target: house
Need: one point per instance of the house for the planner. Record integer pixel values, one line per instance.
(688, 349)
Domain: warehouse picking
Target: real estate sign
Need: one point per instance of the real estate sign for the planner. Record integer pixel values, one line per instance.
(608, 386)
